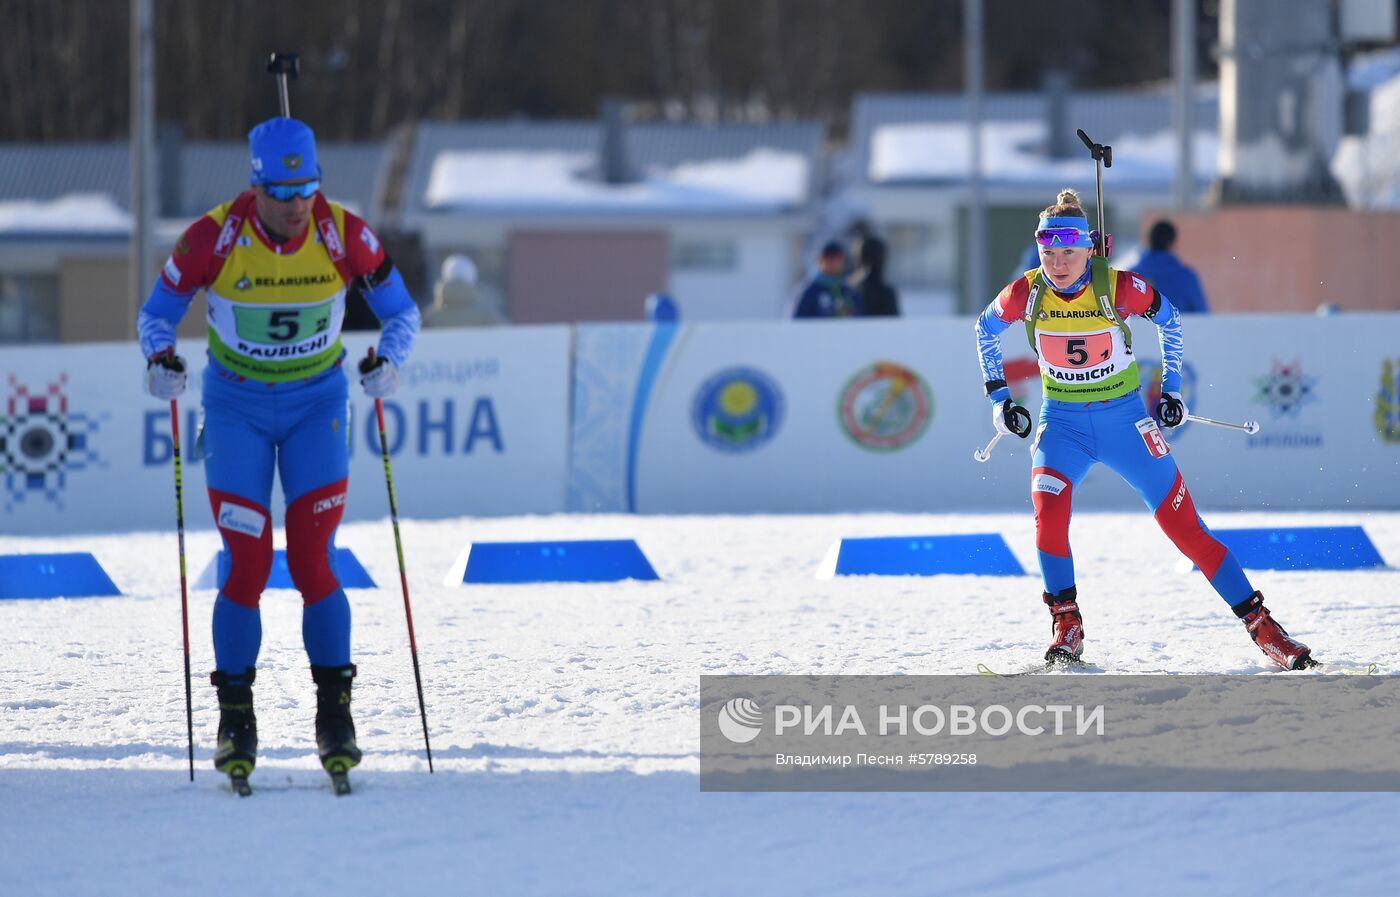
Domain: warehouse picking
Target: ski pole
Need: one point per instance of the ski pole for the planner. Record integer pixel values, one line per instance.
(1250, 426)
(184, 591)
(284, 66)
(981, 455)
(403, 575)
(1103, 158)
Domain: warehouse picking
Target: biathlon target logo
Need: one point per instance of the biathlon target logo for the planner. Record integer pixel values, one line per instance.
(1150, 374)
(41, 441)
(1388, 401)
(885, 407)
(738, 409)
(740, 720)
(1285, 390)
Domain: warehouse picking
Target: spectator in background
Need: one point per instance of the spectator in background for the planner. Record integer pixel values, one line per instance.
(1167, 274)
(456, 300)
(827, 295)
(877, 297)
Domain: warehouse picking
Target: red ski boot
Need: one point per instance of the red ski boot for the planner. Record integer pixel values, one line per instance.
(1272, 638)
(1066, 625)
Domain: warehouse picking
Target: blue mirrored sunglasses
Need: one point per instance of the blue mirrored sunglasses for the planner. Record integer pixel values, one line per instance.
(285, 192)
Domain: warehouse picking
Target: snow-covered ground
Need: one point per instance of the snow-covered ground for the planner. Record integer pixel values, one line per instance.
(565, 732)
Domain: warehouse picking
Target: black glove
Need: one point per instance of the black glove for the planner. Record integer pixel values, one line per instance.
(1171, 410)
(1008, 417)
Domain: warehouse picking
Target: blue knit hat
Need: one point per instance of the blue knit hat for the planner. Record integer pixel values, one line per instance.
(282, 149)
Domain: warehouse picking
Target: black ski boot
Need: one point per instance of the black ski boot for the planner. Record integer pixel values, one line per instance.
(237, 750)
(335, 730)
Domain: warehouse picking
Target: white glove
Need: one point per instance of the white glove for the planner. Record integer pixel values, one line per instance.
(378, 376)
(1172, 410)
(1011, 419)
(165, 375)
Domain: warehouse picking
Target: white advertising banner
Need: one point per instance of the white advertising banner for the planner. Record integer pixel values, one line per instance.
(804, 416)
(885, 414)
(479, 426)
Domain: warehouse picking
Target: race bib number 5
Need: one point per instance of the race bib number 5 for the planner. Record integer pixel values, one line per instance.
(1152, 436)
(281, 325)
(1076, 351)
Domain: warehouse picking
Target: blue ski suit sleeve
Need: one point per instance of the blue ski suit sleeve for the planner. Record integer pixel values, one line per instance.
(160, 314)
(398, 317)
(1169, 334)
(989, 329)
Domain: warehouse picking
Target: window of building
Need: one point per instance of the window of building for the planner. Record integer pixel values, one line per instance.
(28, 308)
(921, 256)
(692, 254)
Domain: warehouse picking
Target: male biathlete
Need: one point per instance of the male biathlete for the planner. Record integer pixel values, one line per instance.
(275, 264)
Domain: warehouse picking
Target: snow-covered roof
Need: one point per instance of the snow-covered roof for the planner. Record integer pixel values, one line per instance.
(528, 168)
(93, 214)
(48, 179)
(1012, 153)
(923, 138)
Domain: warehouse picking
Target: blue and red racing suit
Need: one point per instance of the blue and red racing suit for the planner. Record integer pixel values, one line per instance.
(276, 396)
(1093, 412)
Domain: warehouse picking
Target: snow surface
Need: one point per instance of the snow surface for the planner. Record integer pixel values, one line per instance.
(565, 735)
(763, 179)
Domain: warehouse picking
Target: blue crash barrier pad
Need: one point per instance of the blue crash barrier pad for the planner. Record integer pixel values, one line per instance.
(598, 560)
(1302, 548)
(348, 570)
(74, 575)
(983, 554)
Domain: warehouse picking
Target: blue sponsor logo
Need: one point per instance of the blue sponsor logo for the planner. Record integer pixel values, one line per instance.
(737, 410)
(426, 428)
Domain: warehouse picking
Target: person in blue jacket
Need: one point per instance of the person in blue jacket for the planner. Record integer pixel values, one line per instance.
(827, 295)
(1167, 273)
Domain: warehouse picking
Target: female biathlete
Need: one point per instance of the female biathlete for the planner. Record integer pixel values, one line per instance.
(1074, 308)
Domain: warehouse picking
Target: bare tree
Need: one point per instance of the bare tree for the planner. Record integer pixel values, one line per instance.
(370, 65)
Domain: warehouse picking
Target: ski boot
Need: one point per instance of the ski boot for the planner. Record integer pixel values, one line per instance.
(1066, 625)
(1272, 638)
(335, 730)
(237, 749)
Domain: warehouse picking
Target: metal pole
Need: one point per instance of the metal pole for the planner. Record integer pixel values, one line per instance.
(143, 142)
(977, 202)
(1184, 98)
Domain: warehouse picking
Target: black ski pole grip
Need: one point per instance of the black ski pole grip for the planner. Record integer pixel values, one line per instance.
(284, 67)
(1100, 152)
(288, 64)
